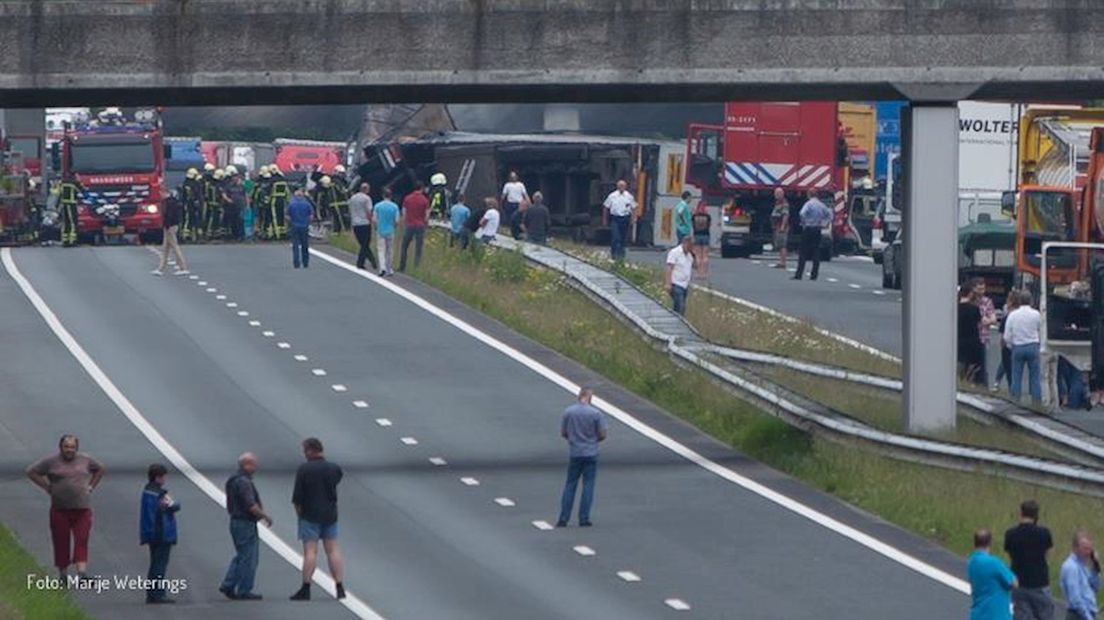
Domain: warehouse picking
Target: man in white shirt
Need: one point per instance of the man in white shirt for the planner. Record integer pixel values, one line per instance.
(488, 224)
(1021, 332)
(680, 268)
(621, 206)
(514, 195)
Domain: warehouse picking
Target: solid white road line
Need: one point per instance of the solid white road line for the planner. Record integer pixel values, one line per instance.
(174, 456)
(469, 481)
(437, 461)
(337, 387)
(410, 441)
(383, 421)
(505, 502)
(628, 575)
(543, 525)
(360, 404)
(677, 604)
(870, 542)
(585, 551)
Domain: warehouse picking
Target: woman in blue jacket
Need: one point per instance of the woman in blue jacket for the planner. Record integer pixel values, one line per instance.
(158, 531)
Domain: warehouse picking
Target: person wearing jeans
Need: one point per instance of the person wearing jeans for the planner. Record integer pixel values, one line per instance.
(583, 426)
(1021, 332)
(680, 268)
(157, 529)
(620, 205)
(385, 215)
(299, 213)
(415, 209)
(360, 217)
(243, 503)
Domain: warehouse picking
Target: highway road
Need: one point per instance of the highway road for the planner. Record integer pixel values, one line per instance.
(252, 355)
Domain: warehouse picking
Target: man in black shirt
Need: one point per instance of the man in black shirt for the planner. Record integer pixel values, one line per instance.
(243, 503)
(315, 500)
(1027, 544)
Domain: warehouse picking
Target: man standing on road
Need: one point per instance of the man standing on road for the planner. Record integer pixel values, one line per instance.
(415, 208)
(243, 503)
(536, 220)
(682, 218)
(1027, 544)
(299, 213)
(172, 213)
(780, 223)
(458, 223)
(360, 217)
(315, 500)
(620, 206)
(1080, 578)
(990, 581)
(814, 216)
(157, 529)
(385, 215)
(583, 426)
(1021, 332)
(680, 269)
(69, 477)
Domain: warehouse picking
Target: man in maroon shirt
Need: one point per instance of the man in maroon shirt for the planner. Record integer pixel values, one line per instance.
(415, 210)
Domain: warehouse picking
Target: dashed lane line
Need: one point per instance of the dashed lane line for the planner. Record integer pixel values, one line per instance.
(505, 502)
(585, 551)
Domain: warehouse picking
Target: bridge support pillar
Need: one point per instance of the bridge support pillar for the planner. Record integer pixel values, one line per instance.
(930, 159)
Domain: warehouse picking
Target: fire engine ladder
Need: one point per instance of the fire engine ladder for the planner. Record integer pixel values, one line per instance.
(1061, 166)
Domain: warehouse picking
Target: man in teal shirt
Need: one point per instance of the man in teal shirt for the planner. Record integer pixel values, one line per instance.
(385, 214)
(991, 582)
(682, 217)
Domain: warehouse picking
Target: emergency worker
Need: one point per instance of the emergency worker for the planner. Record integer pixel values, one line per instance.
(208, 199)
(277, 202)
(439, 203)
(216, 201)
(327, 203)
(259, 199)
(71, 191)
(191, 192)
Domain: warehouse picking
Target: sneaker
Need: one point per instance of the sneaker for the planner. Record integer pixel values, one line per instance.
(249, 596)
(561, 523)
(302, 594)
(995, 387)
(181, 272)
(157, 272)
(585, 524)
(228, 593)
(382, 273)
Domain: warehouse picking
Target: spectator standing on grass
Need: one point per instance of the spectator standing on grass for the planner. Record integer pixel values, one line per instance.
(1004, 369)
(536, 220)
(1021, 331)
(69, 477)
(315, 500)
(243, 503)
(386, 216)
(814, 216)
(682, 218)
(1080, 578)
(514, 195)
(990, 581)
(780, 225)
(700, 223)
(680, 269)
(1027, 544)
(299, 212)
(583, 426)
(157, 530)
(415, 210)
(620, 205)
(360, 218)
(171, 216)
(488, 224)
(458, 215)
(970, 351)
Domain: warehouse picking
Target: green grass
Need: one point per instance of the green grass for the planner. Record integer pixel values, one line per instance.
(17, 602)
(941, 505)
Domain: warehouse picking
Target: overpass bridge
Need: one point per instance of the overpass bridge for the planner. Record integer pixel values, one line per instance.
(932, 52)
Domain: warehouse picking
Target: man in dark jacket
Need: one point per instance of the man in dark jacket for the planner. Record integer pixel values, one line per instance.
(158, 531)
(315, 500)
(172, 214)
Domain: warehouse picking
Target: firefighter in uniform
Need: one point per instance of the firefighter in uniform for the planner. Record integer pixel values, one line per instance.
(71, 191)
(278, 196)
(328, 202)
(207, 183)
(438, 197)
(191, 192)
(216, 199)
(259, 200)
(340, 180)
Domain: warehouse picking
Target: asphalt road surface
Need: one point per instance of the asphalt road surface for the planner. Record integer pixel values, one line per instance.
(419, 542)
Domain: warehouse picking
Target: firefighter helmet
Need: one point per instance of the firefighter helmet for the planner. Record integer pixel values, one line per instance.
(265, 174)
(219, 174)
(231, 170)
(438, 179)
(274, 169)
(339, 169)
(191, 174)
(263, 170)
(326, 181)
(208, 167)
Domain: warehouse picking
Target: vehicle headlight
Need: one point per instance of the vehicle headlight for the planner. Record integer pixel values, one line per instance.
(151, 208)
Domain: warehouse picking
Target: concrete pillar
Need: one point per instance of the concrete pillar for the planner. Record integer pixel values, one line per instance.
(930, 158)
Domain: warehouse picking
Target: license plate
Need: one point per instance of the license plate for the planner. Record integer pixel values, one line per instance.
(114, 230)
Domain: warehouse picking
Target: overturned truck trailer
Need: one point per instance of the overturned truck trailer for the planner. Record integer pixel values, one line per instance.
(574, 173)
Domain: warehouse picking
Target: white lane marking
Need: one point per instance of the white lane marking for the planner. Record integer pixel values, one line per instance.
(254, 323)
(211, 289)
(232, 304)
(201, 283)
(283, 345)
(318, 372)
(438, 461)
(220, 297)
(677, 604)
(755, 262)
(193, 277)
(410, 441)
(268, 333)
(628, 575)
(468, 481)
(543, 525)
(242, 313)
(585, 551)
(337, 387)
(301, 358)
(854, 286)
(174, 456)
(879, 292)
(505, 502)
(870, 542)
(383, 421)
(833, 279)
(360, 404)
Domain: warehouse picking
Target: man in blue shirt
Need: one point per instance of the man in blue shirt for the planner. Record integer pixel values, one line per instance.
(991, 582)
(385, 215)
(157, 528)
(1080, 578)
(458, 223)
(814, 216)
(583, 427)
(299, 213)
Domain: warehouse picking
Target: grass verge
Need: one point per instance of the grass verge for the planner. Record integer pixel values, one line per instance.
(17, 601)
(940, 505)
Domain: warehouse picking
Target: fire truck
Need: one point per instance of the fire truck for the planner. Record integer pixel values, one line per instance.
(796, 146)
(120, 163)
